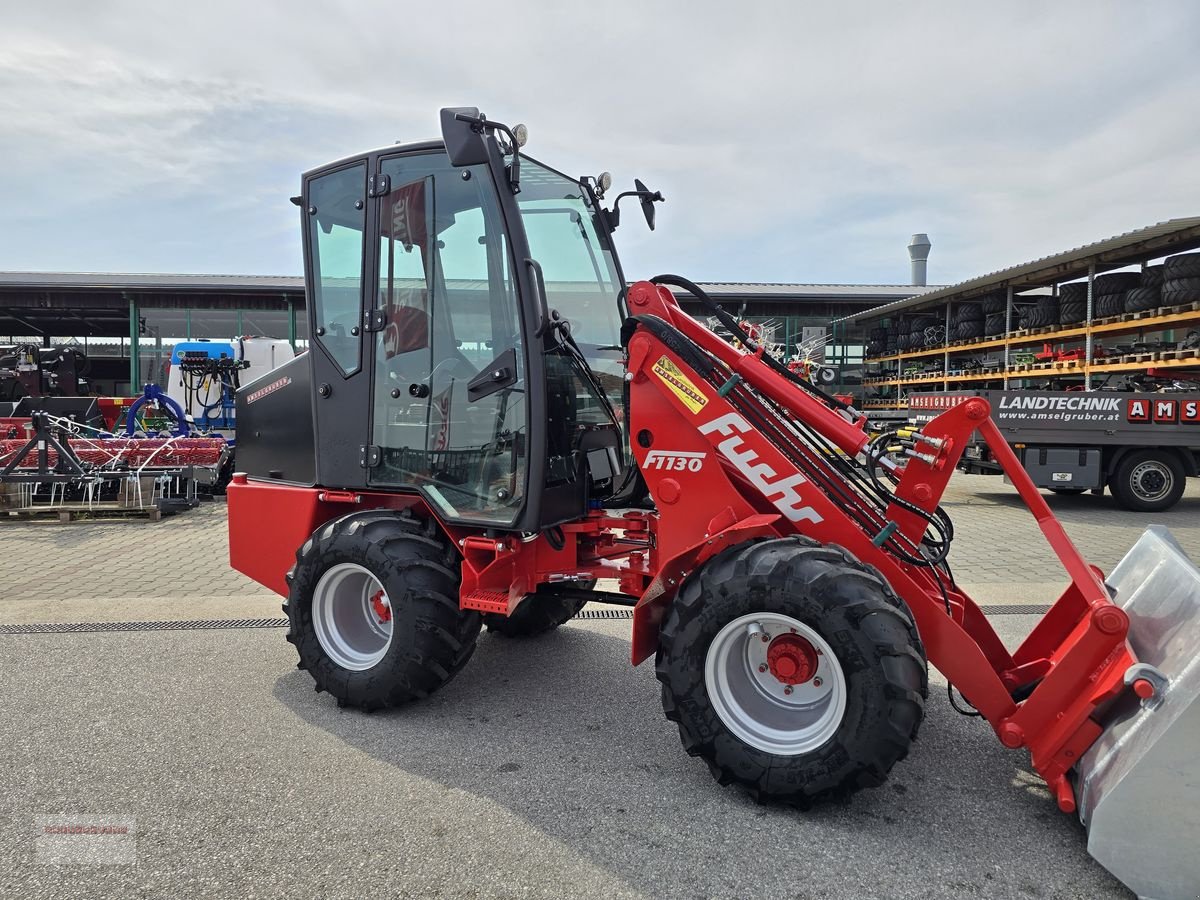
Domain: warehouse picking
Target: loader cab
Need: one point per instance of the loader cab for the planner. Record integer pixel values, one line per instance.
(440, 360)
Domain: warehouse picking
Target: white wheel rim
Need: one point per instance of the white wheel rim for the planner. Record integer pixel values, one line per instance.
(347, 622)
(755, 705)
(1151, 480)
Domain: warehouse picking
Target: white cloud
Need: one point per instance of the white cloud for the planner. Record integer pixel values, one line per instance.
(794, 141)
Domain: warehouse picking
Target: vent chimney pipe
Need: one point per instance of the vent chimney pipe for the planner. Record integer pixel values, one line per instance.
(918, 252)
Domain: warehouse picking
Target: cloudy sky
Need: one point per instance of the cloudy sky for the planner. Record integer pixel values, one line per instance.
(795, 141)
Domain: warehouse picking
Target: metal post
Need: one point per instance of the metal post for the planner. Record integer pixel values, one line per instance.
(1008, 311)
(946, 354)
(135, 372)
(1087, 324)
(291, 321)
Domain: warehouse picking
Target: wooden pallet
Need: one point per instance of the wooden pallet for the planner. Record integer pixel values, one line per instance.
(81, 512)
(1175, 310)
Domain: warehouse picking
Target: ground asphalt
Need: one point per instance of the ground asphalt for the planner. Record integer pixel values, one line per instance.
(546, 769)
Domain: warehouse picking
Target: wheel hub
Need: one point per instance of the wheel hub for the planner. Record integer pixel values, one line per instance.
(381, 607)
(791, 659)
(775, 683)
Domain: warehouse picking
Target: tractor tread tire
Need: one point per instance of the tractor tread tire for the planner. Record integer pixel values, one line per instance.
(852, 606)
(432, 638)
(1142, 298)
(536, 614)
(1185, 265)
(1152, 276)
(1071, 312)
(993, 303)
(1180, 290)
(994, 324)
(1116, 282)
(1105, 305)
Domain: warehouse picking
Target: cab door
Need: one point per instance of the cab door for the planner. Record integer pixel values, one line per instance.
(449, 400)
(335, 212)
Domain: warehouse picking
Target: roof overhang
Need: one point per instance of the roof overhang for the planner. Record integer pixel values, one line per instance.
(1165, 238)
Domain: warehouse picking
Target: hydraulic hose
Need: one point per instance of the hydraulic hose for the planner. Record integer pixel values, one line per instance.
(734, 326)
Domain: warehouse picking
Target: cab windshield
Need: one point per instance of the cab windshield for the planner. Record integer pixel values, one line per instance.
(582, 280)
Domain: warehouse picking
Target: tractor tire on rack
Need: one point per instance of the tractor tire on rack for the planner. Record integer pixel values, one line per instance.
(1108, 305)
(993, 303)
(373, 610)
(994, 324)
(538, 613)
(968, 312)
(1177, 291)
(1116, 282)
(1048, 310)
(1185, 265)
(1142, 298)
(1152, 276)
(1148, 481)
(965, 331)
(793, 670)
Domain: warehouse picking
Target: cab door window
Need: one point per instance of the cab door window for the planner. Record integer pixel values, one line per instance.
(336, 220)
(449, 312)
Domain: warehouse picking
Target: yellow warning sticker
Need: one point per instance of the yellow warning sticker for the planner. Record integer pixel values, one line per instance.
(681, 386)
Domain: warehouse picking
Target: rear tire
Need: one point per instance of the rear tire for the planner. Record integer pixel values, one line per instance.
(1148, 481)
(813, 745)
(336, 610)
(537, 613)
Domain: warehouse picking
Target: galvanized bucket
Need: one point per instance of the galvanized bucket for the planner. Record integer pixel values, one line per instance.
(1138, 786)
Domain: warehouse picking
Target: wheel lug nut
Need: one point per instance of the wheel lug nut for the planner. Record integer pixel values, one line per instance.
(788, 689)
(766, 638)
(762, 668)
(816, 682)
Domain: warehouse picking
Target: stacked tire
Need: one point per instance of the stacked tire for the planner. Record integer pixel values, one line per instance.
(877, 341)
(1181, 279)
(1148, 293)
(922, 332)
(1109, 293)
(1043, 312)
(967, 321)
(1072, 303)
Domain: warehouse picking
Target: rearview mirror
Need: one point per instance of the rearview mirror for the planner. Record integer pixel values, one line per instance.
(463, 136)
(647, 197)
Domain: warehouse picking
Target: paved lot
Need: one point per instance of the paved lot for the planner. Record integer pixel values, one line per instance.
(545, 770)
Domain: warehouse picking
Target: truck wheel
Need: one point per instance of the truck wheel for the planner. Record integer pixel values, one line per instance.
(1148, 481)
(793, 670)
(538, 613)
(373, 609)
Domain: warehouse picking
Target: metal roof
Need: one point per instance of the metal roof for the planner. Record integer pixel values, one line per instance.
(137, 281)
(295, 284)
(1163, 239)
(782, 291)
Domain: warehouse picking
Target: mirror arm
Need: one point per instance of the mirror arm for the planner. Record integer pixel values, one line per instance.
(481, 125)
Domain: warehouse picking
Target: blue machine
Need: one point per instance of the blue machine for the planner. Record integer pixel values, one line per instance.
(204, 380)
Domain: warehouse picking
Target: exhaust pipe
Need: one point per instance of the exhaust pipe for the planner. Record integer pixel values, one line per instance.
(1138, 786)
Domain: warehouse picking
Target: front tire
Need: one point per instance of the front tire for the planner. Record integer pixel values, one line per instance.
(793, 670)
(373, 609)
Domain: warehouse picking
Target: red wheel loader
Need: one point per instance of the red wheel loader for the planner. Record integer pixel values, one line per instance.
(490, 428)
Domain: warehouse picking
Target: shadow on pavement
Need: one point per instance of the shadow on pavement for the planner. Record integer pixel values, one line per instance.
(563, 733)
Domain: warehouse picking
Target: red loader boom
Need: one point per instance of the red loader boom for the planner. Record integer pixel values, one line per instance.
(788, 574)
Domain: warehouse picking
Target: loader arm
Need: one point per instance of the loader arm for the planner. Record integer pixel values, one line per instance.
(759, 448)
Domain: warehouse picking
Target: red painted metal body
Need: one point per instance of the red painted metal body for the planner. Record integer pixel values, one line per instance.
(717, 482)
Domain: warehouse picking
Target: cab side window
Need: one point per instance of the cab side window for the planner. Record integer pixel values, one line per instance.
(336, 220)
